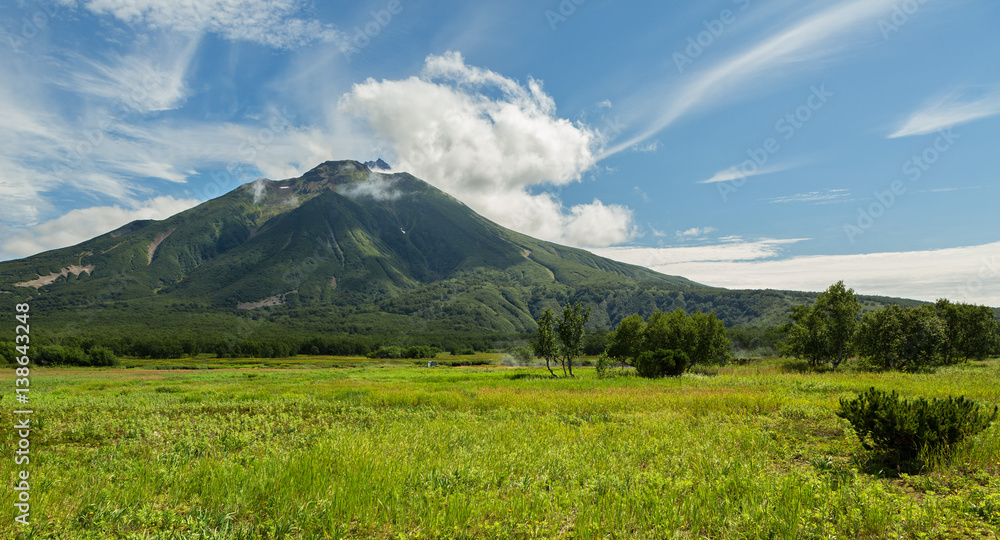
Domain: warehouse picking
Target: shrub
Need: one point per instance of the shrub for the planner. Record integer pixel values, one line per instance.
(662, 363)
(55, 355)
(102, 356)
(907, 432)
(8, 352)
(386, 352)
(414, 351)
(420, 351)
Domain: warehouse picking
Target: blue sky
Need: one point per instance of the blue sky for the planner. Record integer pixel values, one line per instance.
(740, 143)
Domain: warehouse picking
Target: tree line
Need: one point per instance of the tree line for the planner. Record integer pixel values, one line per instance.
(78, 350)
(666, 344)
(833, 329)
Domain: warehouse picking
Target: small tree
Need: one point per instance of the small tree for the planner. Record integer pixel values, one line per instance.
(544, 344)
(626, 341)
(571, 334)
(823, 332)
(522, 355)
(841, 309)
(806, 335)
(900, 338)
(711, 346)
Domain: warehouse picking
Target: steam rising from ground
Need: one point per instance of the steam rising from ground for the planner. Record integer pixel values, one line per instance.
(258, 188)
(377, 186)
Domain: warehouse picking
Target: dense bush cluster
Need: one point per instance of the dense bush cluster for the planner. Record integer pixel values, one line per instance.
(666, 344)
(56, 355)
(906, 433)
(661, 363)
(414, 351)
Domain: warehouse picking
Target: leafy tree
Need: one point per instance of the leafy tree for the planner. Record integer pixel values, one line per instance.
(627, 339)
(757, 340)
(971, 332)
(545, 345)
(387, 351)
(522, 355)
(669, 331)
(571, 334)
(907, 339)
(710, 344)
(55, 355)
(595, 343)
(842, 309)
(669, 343)
(822, 333)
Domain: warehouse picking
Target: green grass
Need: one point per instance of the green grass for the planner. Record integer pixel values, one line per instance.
(320, 447)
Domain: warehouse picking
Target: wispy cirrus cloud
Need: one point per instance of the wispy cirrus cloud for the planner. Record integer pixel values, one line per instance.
(695, 232)
(947, 111)
(115, 146)
(737, 173)
(815, 197)
(153, 80)
(806, 39)
(281, 24)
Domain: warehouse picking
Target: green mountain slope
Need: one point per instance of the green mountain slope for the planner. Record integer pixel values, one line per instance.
(343, 249)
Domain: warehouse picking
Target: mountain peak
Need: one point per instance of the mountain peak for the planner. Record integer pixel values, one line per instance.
(377, 165)
(334, 173)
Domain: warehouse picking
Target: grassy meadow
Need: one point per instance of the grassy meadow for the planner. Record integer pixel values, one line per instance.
(323, 447)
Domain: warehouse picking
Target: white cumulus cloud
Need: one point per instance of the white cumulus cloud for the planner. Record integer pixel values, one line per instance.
(487, 139)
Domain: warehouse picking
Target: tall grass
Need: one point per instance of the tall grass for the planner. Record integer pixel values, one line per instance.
(752, 451)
